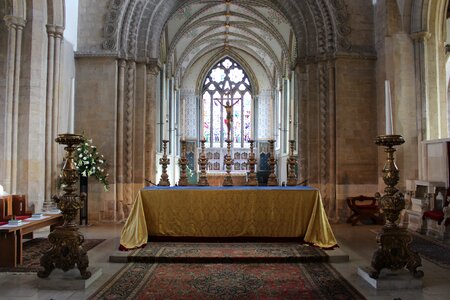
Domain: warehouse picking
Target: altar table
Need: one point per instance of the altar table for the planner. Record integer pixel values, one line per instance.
(237, 211)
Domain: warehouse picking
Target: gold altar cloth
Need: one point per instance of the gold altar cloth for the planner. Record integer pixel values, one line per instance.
(228, 212)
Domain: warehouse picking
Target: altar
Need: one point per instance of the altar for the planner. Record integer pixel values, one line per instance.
(239, 211)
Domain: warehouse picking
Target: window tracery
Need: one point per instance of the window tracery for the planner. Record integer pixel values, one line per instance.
(225, 83)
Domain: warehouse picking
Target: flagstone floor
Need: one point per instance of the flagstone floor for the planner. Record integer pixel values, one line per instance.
(357, 241)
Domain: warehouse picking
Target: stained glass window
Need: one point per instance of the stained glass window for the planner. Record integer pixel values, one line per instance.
(227, 86)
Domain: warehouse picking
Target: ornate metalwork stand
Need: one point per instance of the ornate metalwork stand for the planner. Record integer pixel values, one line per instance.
(228, 180)
(67, 250)
(183, 163)
(202, 162)
(273, 180)
(292, 162)
(164, 162)
(393, 242)
(252, 180)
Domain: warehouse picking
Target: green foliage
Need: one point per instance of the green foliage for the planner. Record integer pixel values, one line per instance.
(90, 163)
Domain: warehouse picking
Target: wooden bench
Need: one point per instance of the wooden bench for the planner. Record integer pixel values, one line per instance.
(11, 238)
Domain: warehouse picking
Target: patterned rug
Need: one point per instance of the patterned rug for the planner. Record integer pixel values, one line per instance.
(432, 250)
(166, 252)
(33, 250)
(227, 281)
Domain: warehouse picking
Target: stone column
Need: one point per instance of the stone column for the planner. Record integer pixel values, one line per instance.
(128, 129)
(420, 40)
(301, 76)
(15, 28)
(120, 143)
(55, 38)
(153, 70)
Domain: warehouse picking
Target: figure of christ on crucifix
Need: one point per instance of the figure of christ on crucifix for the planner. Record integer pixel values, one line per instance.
(229, 110)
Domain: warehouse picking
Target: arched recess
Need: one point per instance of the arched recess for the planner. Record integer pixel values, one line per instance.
(428, 30)
(134, 31)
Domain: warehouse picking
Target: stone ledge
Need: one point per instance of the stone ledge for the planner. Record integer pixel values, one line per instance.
(70, 280)
(391, 280)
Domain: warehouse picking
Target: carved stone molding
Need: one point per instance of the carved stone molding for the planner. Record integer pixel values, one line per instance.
(111, 24)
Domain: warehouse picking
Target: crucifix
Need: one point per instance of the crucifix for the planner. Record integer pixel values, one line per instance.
(228, 109)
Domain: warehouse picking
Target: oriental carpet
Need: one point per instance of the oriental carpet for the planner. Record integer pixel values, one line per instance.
(227, 281)
(173, 252)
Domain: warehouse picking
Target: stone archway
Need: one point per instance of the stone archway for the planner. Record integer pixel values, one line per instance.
(324, 48)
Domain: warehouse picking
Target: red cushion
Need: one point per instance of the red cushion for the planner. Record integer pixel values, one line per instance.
(3, 223)
(22, 217)
(436, 215)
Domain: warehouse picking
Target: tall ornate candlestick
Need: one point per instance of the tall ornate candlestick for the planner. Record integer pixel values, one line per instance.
(393, 242)
(228, 180)
(164, 162)
(252, 180)
(202, 162)
(183, 163)
(273, 180)
(67, 250)
(292, 162)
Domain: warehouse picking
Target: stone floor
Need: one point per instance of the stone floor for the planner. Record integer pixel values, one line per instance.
(357, 241)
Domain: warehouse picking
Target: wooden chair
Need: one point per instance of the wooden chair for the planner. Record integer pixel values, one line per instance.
(5, 207)
(364, 207)
(20, 206)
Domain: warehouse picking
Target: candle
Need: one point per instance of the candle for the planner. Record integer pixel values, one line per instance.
(184, 118)
(388, 104)
(271, 119)
(165, 128)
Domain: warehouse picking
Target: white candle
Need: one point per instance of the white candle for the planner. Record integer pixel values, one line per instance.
(388, 104)
(271, 118)
(165, 128)
(184, 118)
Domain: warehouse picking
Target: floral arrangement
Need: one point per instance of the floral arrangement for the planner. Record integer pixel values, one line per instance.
(90, 163)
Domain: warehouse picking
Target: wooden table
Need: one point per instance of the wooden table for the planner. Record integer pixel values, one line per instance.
(11, 238)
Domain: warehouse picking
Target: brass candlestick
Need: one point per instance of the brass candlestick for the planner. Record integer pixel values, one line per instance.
(272, 181)
(202, 162)
(67, 250)
(292, 162)
(183, 163)
(252, 180)
(393, 242)
(228, 180)
(164, 162)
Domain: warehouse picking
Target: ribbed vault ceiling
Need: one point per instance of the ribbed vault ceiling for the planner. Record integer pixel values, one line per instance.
(257, 29)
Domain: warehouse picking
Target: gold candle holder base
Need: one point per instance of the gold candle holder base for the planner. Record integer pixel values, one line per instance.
(393, 251)
(203, 162)
(164, 162)
(273, 180)
(228, 180)
(252, 179)
(183, 181)
(67, 250)
(292, 162)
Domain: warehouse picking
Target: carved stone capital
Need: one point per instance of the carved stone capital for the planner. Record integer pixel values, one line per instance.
(55, 30)
(122, 63)
(14, 22)
(153, 67)
(420, 36)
